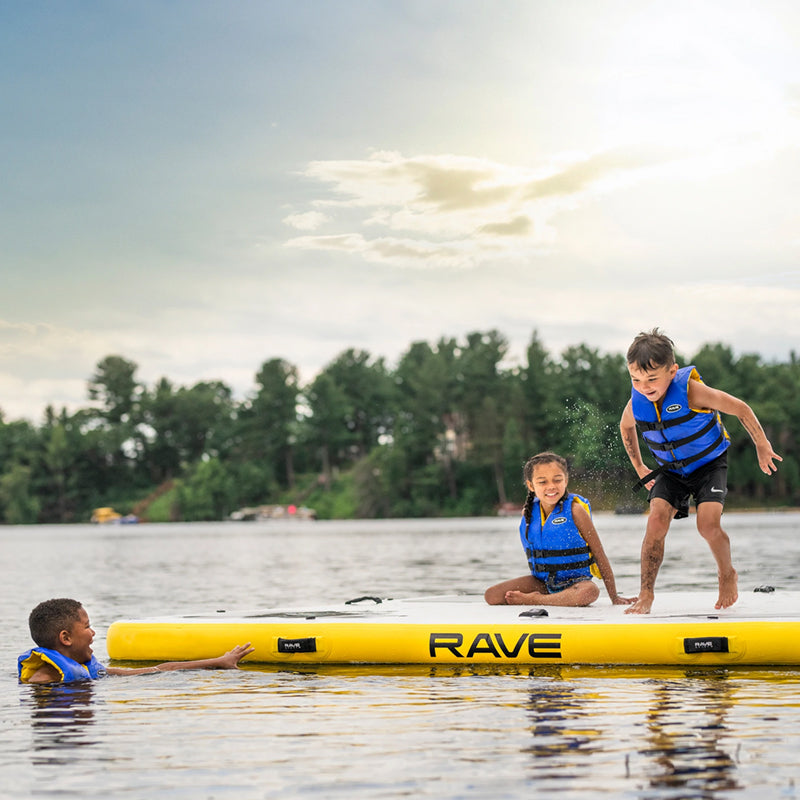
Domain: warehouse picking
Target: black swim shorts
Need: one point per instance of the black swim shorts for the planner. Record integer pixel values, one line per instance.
(707, 484)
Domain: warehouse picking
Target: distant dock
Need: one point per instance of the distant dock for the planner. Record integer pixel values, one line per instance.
(265, 512)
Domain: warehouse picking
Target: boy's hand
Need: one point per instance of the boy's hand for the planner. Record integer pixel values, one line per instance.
(765, 458)
(232, 658)
(645, 470)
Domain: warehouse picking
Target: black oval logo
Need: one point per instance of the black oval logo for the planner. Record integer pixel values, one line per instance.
(673, 408)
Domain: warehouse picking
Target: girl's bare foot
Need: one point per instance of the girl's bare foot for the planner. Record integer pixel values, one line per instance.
(515, 598)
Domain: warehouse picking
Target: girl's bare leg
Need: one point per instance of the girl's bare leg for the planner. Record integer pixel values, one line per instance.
(496, 595)
(529, 591)
(583, 593)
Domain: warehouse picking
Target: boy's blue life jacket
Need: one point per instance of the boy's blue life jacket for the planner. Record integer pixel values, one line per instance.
(70, 670)
(680, 438)
(557, 553)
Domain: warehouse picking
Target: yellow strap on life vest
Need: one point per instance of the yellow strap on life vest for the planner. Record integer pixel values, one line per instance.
(593, 568)
(34, 662)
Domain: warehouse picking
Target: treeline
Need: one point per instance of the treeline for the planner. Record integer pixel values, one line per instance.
(443, 433)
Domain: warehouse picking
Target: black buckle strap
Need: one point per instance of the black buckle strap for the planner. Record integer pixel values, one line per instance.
(670, 445)
(564, 566)
(661, 424)
(573, 551)
(647, 478)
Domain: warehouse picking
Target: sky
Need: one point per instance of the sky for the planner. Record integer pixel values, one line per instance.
(200, 187)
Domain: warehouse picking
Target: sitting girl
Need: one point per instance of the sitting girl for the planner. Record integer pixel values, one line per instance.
(563, 549)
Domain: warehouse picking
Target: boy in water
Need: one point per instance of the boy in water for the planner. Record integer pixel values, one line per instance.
(679, 419)
(64, 636)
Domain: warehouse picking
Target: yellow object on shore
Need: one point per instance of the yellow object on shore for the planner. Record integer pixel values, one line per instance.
(100, 515)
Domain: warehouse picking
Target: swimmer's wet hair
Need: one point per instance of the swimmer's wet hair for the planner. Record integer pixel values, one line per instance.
(50, 617)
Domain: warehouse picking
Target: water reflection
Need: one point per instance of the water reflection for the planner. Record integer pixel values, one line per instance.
(553, 709)
(564, 726)
(338, 732)
(62, 716)
(686, 731)
(687, 748)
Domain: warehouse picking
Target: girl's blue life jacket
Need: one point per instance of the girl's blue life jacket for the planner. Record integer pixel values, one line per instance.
(681, 438)
(557, 553)
(70, 670)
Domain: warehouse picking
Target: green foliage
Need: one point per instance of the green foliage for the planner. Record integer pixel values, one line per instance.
(336, 500)
(207, 492)
(352, 405)
(114, 384)
(445, 432)
(19, 505)
(165, 508)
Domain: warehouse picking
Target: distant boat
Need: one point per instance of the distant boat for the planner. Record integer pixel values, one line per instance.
(264, 512)
(509, 510)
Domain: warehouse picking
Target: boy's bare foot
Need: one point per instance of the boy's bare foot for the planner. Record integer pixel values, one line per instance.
(728, 589)
(642, 605)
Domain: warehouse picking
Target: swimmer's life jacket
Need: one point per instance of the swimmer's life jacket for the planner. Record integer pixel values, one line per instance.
(69, 669)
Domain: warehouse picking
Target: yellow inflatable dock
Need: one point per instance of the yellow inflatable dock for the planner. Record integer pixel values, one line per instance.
(763, 629)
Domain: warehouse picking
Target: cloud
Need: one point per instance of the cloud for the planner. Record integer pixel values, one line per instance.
(20, 342)
(456, 211)
(309, 221)
(452, 187)
(411, 253)
(519, 226)
(793, 98)
(51, 364)
(599, 171)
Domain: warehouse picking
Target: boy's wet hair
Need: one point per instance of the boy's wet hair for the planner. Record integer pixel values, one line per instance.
(527, 473)
(50, 617)
(651, 350)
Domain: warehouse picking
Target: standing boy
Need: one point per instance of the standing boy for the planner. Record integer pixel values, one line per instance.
(679, 419)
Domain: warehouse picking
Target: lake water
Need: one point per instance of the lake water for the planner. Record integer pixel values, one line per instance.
(343, 732)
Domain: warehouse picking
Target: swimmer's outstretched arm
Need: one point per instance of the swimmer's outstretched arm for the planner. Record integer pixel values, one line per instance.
(229, 660)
